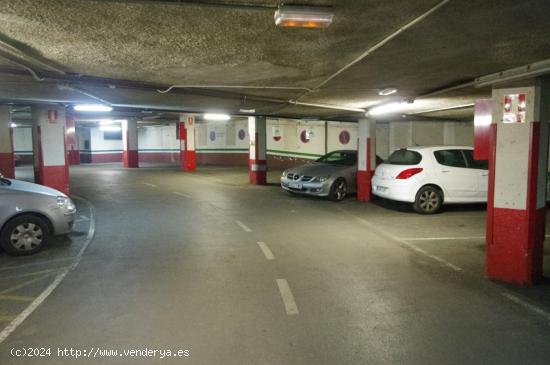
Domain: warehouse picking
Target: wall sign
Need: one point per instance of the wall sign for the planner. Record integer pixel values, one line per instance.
(514, 108)
(305, 136)
(344, 137)
(212, 136)
(52, 116)
(277, 134)
(242, 134)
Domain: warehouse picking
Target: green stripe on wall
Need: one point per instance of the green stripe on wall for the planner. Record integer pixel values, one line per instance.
(277, 152)
(223, 149)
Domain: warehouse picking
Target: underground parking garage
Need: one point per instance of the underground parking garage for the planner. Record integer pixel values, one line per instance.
(244, 182)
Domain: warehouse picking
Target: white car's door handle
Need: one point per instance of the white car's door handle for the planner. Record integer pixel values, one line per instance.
(485, 174)
(445, 171)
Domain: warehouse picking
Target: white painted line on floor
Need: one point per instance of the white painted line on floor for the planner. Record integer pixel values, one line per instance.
(181, 194)
(243, 226)
(531, 307)
(149, 184)
(443, 238)
(267, 252)
(58, 279)
(288, 299)
(383, 232)
(37, 263)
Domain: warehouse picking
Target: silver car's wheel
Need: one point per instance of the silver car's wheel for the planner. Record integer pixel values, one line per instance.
(428, 200)
(338, 190)
(24, 235)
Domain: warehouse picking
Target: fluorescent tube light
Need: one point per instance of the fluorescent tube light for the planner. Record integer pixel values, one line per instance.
(292, 16)
(216, 116)
(93, 108)
(387, 91)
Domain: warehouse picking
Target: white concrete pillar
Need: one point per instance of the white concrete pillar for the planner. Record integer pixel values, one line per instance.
(366, 158)
(258, 150)
(449, 133)
(50, 160)
(7, 161)
(516, 208)
(130, 155)
(187, 136)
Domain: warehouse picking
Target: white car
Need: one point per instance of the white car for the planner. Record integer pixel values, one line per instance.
(429, 177)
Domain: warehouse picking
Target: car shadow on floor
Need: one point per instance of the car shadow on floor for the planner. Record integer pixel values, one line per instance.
(408, 208)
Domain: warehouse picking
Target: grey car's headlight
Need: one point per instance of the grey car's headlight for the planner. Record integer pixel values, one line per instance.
(285, 173)
(65, 203)
(320, 179)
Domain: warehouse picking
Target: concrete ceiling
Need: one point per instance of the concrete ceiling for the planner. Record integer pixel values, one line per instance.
(137, 47)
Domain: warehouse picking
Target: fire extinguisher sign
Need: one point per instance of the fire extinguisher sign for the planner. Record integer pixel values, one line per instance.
(515, 106)
(52, 116)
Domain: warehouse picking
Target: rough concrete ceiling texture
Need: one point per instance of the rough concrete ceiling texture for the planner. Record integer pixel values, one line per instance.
(158, 45)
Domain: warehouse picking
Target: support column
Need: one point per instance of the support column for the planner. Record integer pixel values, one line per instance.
(257, 165)
(50, 160)
(130, 156)
(71, 139)
(517, 184)
(366, 158)
(7, 161)
(188, 155)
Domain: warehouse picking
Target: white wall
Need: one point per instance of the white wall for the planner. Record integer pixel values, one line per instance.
(22, 140)
(222, 136)
(158, 139)
(100, 144)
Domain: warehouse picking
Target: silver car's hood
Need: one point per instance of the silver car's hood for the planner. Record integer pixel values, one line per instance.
(32, 188)
(317, 169)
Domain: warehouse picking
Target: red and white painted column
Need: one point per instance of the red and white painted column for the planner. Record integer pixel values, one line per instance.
(71, 140)
(130, 155)
(7, 161)
(188, 154)
(50, 159)
(366, 158)
(257, 165)
(517, 184)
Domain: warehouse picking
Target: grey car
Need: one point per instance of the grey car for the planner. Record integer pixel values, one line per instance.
(332, 176)
(30, 214)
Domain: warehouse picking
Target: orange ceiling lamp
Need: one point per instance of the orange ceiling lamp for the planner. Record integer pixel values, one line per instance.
(292, 16)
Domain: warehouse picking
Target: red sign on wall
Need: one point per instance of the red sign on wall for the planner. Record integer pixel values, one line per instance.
(52, 116)
(514, 108)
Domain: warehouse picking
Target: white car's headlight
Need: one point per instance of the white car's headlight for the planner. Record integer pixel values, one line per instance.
(65, 203)
(285, 173)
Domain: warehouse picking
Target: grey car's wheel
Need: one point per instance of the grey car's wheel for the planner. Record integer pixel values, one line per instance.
(428, 200)
(338, 190)
(24, 235)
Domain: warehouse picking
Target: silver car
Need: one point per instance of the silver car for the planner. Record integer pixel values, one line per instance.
(332, 176)
(30, 214)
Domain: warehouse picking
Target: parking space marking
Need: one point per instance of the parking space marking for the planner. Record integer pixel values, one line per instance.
(243, 226)
(25, 284)
(15, 322)
(149, 184)
(44, 262)
(523, 303)
(29, 274)
(383, 232)
(288, 299)
(443, 238)
(267, 252)
(17, 298)
(181, 194)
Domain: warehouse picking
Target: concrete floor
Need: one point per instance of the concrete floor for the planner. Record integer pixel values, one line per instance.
(175, 264)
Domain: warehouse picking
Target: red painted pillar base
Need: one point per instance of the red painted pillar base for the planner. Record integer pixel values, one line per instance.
(516, 251)
(130, 159)
(73, 157)
(7, 165)
(364, 186)
(188, 160)
(257, 172)
(56, 177)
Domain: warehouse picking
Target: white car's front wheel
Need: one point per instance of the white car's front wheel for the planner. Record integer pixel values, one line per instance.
(428, 200)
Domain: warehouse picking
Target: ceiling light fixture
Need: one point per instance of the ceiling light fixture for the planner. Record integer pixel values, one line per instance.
(13, 125)
(216, 116)
(110, 128)
(388, 91)
(292, 16)
(93, 108)
(388, 108)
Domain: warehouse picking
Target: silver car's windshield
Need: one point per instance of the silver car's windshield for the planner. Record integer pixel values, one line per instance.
(345, 158)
